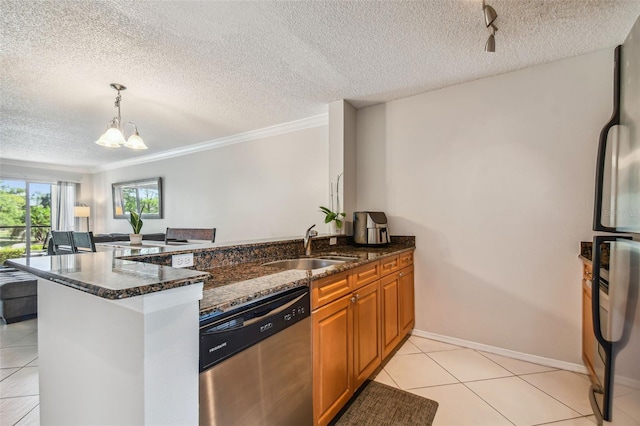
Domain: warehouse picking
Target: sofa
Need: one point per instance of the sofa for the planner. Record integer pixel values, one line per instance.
(18, 295)
(108, 238)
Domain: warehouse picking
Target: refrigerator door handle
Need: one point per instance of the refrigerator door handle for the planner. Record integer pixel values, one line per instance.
(595, 287)
(602, 147)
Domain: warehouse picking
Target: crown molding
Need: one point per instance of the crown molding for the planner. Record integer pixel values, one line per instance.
(278, 129)
(45, 166)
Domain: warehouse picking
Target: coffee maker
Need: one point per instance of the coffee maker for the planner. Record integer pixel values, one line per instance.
(370, 228)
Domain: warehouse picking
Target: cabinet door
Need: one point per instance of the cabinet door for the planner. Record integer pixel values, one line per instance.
(407, 308)
(332, 355)
(367, 350)
(390, 319)
(588, 337)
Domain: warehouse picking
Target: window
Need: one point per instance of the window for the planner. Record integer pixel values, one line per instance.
(25, 215)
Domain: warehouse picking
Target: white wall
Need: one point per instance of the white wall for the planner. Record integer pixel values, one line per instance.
(495, 178)
(264, 188)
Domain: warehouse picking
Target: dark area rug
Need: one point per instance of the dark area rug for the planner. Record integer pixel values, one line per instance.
(376, 404)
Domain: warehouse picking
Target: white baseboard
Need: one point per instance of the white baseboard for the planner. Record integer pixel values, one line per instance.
(548, 362)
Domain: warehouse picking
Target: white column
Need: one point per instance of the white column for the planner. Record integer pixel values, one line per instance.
(342, 155)
(132, 361)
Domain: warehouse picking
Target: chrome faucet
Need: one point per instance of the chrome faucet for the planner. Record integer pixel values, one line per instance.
(307, 239)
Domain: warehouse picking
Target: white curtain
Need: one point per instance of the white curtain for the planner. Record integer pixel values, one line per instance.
(63, 200)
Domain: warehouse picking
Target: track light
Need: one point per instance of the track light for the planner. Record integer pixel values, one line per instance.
(491, 44)
(490, 16)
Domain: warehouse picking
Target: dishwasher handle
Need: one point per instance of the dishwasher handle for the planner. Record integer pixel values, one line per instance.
(259, 315)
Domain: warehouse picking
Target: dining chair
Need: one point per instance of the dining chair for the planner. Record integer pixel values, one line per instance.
(83, 241)
(61, 243)
(183, 235)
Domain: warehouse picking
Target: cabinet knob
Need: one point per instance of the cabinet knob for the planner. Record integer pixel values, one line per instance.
(357, 296)
(401, 274)
(353, 299)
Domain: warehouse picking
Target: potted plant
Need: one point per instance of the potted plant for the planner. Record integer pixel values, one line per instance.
(334, 217)
(135, 221)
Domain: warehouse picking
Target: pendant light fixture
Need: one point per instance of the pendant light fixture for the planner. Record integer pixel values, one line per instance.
(490, 16)
(114, 137)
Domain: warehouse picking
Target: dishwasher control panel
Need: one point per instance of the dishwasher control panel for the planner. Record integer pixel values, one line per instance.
(229, 333)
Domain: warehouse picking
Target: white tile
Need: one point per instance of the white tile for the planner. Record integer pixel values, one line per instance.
(457, 405)
(6, 372)
(18, 356)
(21, 383)
(417, 371)
(8, 337)
(31, 419)
(468, 365)
(33, 363)
(384, 378)
(13, 409)
(408, 348)
(627, 406)
(569, 388)
(520, 402)
(579, 421)
(428, 345)
(30, 339)
(517, 366)
(31, 324)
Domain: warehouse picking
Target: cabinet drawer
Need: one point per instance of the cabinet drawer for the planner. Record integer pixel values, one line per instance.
(328, 289)
(405, 259)
(365, 274)
(389, 265)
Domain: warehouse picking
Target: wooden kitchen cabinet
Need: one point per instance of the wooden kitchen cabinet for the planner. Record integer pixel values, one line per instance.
(367, 351)
(390, 290)
(407, 300)
(332, 330)
(588, 337)
(359, 317)
(346, 339)
(398, 308)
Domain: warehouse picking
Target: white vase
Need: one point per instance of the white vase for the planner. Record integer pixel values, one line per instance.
(333, 228)
(135, 239)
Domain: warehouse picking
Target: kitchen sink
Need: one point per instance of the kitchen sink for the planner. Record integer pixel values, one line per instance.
(303, 263)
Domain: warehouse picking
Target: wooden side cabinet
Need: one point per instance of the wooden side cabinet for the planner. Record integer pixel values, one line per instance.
(588, 338)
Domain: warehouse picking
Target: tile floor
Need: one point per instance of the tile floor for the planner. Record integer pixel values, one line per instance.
(479, 388)
(472, 387)
(19, 373)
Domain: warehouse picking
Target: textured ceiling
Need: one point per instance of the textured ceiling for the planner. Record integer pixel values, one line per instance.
(198, 71)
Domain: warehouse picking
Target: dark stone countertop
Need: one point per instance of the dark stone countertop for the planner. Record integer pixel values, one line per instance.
(233, 285)
(233, 272)
(104, 275)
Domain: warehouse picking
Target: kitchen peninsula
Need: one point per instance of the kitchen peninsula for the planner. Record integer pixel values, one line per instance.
(126, 322)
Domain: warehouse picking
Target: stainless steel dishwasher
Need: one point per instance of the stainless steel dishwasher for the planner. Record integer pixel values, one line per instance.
(255, 363)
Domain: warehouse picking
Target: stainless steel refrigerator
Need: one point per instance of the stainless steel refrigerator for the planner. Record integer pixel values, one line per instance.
(615, 390)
